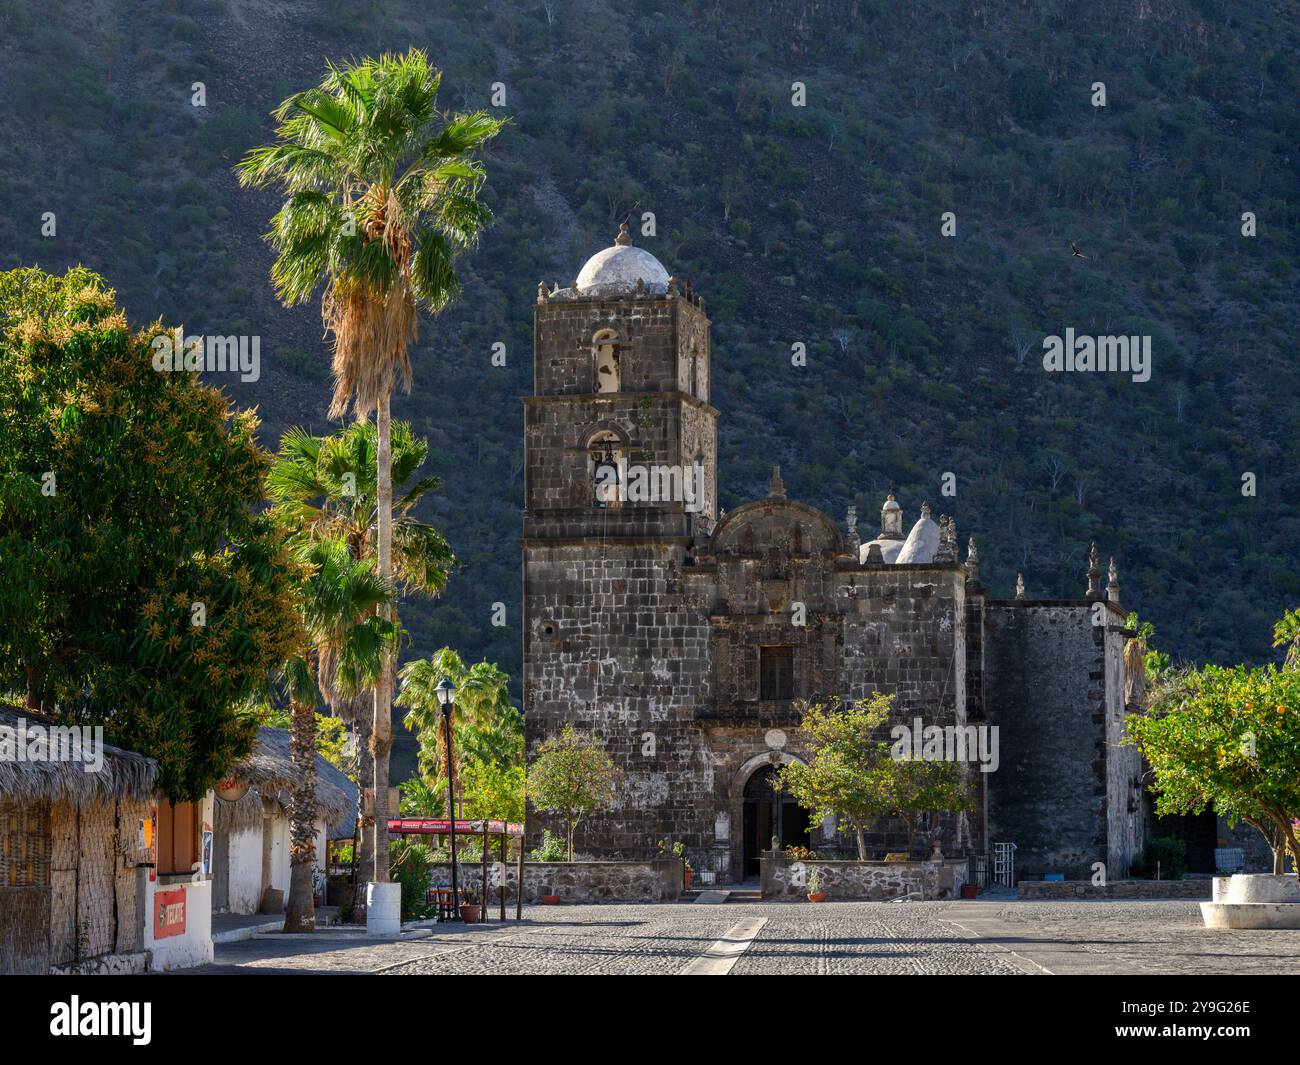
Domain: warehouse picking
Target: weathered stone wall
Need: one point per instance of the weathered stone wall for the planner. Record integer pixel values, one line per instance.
(1114, 889)
(659, 880)
(1053, 689)
(905, 632)
(646, 334)
(1125, 813)
(1256, 855)
(616, 648)
(613, 643)
(872, 881)
(646, 625)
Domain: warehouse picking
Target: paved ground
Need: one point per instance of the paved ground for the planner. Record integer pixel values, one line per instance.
(999, 937)
(1140, 938)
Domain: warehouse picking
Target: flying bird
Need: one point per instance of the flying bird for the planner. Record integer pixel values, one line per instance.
(1075, 249)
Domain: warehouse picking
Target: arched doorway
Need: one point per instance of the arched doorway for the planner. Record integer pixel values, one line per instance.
(769, 813)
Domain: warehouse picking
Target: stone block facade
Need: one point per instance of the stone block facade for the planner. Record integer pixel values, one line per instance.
(1067, 792)
(686, 639)
(865, 881)
(657, 880)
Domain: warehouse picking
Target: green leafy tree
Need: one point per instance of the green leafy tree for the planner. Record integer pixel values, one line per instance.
(918, 786)
(140, 588)
(1228, 738)
(572, 776)
(849, 769)
(382, 194)
(1286, 633)
(328, 486)
(1144, 665)
(494, 791)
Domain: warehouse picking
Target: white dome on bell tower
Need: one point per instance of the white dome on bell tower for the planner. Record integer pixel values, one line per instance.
(617, 270)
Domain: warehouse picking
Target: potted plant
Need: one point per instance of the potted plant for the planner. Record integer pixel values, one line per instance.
(815, 892)
(669, 849)
(470, 910)
(550, 900)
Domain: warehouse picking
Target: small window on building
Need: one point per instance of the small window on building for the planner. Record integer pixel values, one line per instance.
(608, 371)
(178, 837)
(776, 673)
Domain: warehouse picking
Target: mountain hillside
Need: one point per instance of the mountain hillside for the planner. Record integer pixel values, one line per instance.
(816, 224)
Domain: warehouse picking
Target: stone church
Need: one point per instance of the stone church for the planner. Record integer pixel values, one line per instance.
(685, 638)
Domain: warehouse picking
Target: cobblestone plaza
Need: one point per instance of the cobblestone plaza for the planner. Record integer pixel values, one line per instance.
(985, 938)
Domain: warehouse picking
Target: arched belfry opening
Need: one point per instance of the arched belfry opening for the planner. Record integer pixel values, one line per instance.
(767, 813)
(608, 361)
(605, 468)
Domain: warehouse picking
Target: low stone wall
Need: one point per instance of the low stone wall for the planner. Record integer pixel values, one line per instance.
(653, 881)
(871, 881)
(1116, 889)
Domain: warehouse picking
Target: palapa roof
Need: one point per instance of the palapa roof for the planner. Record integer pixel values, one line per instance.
(270, 770)
(124, 774)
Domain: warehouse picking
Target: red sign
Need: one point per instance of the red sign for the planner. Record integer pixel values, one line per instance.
(169, 913)
(231, 790)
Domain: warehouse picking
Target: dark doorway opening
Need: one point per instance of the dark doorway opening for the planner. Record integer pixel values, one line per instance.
(769, 813)
(1199, 833)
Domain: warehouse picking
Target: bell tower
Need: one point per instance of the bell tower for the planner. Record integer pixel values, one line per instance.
(619, 436)
(620, 453)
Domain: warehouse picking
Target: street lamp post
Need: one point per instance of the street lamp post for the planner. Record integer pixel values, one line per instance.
(446, 691)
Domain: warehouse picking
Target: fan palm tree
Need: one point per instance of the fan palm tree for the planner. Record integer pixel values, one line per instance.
(327, 486)
(485, 725)
(382, 194)
(343, 647)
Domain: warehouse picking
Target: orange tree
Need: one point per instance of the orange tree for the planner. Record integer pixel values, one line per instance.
(849, 768)
(139, 589)
(572, 776)
(1228, 737)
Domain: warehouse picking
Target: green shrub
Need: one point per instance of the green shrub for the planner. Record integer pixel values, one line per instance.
(412, 864)
(552, 849)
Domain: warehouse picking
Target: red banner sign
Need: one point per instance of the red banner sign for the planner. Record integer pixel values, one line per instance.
(432, 826)
(169, 913)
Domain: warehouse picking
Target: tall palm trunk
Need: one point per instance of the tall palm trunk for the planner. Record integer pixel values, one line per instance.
(363, 859)
(300, 911)
(382, 738)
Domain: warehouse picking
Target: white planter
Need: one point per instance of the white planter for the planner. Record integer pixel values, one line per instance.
(1254, 900)
(383, 909)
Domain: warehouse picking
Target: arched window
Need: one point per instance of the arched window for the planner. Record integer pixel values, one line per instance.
(608, 371)
(605, 470)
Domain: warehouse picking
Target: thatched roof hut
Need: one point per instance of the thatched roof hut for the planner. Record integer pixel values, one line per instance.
(124, 774)
(269, 772)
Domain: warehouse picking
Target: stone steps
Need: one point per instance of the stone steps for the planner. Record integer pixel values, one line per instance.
(716, 896)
